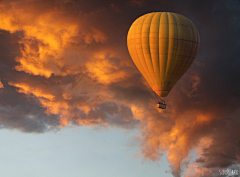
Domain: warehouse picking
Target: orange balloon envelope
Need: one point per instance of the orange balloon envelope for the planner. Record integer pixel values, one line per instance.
(162, 45)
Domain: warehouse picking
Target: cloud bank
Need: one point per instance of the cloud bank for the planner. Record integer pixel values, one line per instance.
(67, 61)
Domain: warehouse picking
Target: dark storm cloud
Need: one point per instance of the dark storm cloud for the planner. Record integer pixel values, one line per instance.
(18, 111)
(24, 114)
(76, 68)
(219, 91)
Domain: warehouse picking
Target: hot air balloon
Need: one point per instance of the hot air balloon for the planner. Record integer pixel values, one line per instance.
(163, 45)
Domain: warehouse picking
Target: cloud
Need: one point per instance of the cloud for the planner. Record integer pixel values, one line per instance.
(1, 85)
(67, 61)
(47, 35)
(140, 3)
(204, 103)
(106, 69)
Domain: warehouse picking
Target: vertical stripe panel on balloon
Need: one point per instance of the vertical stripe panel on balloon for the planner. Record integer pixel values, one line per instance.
(172, 49)
(132, 48)
(154, 47)
(189, 40)
(163, 46)
(181, 47)
(146, 46)
(173, 63)
(138, 37)
(182, 57)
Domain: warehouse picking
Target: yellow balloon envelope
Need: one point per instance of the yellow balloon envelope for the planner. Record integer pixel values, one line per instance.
(162, 45)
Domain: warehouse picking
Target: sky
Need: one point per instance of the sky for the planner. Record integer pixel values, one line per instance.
(68, 85)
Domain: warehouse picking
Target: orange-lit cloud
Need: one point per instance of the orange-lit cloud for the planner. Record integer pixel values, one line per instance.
(103, 70)
(63, 106)
(94, 36)
(1, 85)
(67, 62)
(195, 170)
(47, 34)
(23, 88)
(160, 135)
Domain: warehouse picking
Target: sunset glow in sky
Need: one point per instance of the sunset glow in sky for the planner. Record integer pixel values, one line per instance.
(73, 103)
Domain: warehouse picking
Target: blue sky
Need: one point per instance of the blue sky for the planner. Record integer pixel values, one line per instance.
(79, 151)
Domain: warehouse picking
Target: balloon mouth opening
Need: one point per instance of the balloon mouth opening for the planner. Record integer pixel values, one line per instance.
(161, 93)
